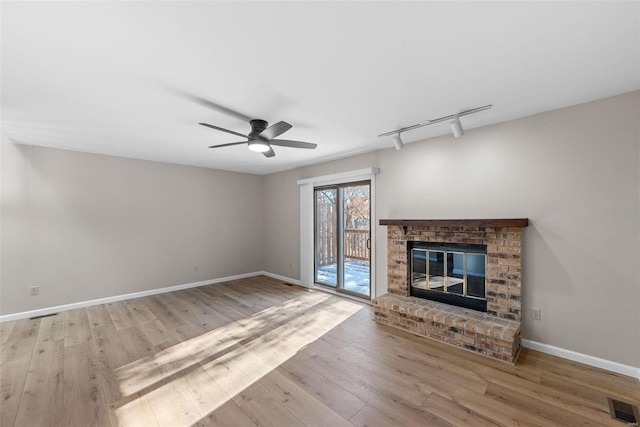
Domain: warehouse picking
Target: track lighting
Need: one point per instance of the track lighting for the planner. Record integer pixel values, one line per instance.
(456, 126)
(397, 141)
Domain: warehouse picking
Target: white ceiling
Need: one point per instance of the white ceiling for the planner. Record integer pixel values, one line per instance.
(124, 78)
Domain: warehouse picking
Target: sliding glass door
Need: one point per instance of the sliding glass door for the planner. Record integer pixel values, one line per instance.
(343, 237)
(326, 236)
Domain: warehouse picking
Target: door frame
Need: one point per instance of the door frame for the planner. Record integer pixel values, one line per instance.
(340, 241)
(307, 221)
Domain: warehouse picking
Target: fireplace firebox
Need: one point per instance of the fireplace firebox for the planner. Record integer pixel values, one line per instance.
(452, 273)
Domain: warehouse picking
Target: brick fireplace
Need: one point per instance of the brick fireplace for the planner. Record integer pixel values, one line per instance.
(494, 333)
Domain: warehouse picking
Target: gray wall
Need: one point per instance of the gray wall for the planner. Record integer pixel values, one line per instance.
(574, 172)
(84, 226)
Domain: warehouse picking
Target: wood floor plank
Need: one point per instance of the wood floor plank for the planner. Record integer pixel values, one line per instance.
(171, 320)
(498, 412)
(264, 409)
(552, 396)
(120, 315)
(191, 313)
(264, 295)
(170, 404)
(133, 410)
(5, 331)
(219, 305)
(214, 317)
(209, 399)
(238, 373)
(369, 416)
(425, 368)
(529, 405)
(587, 375)
(394, 337)
(258, 352)
(342, 401)
(110, 356)
(82, 384)
(140, 313)
(577, 369)
(243, 298)
(425, 381)
(163, 312)
(42, 400)
(454, 413)
(220, 294)
(376, 375)
(98, 316)
(76, 327)
(301, 403)
(15, 359)
(158, 334)
(576, 387)
(135, 343)
(406, 353)
(365, 387)
(404, 412)
(230, 379)
(608, 385)
(51, 328)
(229, 414)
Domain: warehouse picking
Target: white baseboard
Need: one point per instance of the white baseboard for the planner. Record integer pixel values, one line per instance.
(630, 371)
(283, 278)
(82, 304)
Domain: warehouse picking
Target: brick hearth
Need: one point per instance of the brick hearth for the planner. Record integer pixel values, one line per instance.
(495, 333)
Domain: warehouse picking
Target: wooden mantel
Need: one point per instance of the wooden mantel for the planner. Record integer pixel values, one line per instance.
(485, 223)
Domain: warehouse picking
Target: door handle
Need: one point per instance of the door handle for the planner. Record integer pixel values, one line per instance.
(368, 243)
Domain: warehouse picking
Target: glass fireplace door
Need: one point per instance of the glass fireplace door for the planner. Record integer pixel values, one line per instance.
(449, 272)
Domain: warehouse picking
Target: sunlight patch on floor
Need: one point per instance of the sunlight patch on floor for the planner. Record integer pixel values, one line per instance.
(194, 378)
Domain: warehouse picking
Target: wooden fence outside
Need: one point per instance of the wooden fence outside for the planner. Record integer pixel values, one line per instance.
(355, 243)
(355, 240)
(326, 245)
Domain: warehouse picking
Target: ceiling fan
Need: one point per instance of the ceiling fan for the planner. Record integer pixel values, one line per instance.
(261, 137)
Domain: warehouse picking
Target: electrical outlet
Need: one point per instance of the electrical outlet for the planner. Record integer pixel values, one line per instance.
(34, 290)
(536, 313)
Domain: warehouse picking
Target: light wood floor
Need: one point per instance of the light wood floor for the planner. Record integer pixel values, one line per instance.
(259, 352)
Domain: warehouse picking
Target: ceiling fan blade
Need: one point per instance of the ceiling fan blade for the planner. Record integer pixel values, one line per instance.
(269, 153)
(274, 130)
(215, 106)
(228, 145)
(223, 130)
(292, 144)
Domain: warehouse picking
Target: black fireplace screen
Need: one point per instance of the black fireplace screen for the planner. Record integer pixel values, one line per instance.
(450, 273)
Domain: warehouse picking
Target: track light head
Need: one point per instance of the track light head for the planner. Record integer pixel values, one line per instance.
(397, 141)
(456, 128)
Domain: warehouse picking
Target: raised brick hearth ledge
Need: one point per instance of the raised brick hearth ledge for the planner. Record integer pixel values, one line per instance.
(495, 333)
(471, 330)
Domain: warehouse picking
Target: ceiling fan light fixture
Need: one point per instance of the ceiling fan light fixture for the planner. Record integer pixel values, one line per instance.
(261, 137)
(259, 145)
